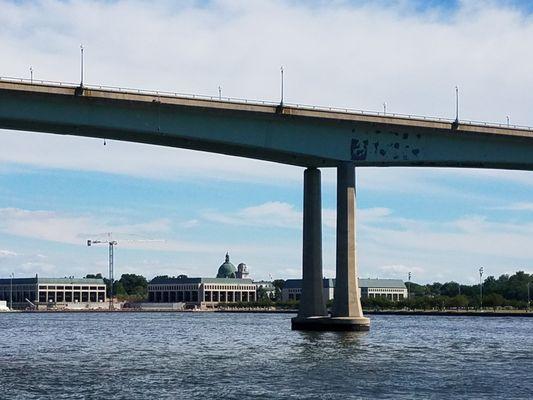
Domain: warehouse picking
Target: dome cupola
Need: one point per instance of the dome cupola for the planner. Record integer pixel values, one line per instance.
(226, 270)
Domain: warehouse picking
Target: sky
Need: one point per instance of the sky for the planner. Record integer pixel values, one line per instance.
(439, 224)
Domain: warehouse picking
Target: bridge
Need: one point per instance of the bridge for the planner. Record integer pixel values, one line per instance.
(309, 137)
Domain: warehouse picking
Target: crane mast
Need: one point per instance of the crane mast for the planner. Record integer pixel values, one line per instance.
(111, 244)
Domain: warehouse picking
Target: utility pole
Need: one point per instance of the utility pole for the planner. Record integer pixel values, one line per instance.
(11, 292)
(528, 296)
(31, 74)
(409, 286)
(384, 108)
(219, 93)
(481, 288)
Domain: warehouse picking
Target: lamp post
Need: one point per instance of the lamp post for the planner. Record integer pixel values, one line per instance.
(281, 71)
(457, 105)
(409, 286)
(81, 65)
(528, 296)
(11, 292)
(481, 288)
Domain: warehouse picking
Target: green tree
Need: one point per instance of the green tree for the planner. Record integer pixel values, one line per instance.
(134, 285)
(94, 276)
(278, 285)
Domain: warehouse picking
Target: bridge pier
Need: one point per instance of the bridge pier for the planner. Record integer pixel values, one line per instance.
(312, 306)
(347, 311)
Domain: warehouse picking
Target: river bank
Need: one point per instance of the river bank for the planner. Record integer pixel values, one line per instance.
(453, 313)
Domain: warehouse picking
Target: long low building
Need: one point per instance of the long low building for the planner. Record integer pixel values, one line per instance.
(202, 292)
(391, 289)
(57, 292)
(232, 285)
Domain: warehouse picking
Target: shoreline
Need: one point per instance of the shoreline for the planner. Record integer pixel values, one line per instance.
(449, 313)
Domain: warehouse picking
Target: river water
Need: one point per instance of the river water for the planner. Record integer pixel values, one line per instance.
(241, 356)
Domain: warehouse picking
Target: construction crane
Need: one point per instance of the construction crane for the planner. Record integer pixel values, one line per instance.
(112, 243)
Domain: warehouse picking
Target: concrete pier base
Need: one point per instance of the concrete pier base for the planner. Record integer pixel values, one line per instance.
(334, 324)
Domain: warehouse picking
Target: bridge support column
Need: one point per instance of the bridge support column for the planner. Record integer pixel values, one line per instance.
(347, 311)
(312, 305)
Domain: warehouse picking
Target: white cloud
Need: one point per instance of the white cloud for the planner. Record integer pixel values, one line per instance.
(7, 253)
(401, 270)
(373, 54)
(278, 214)
(520, 206)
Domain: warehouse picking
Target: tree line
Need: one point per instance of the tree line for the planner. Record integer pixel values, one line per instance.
(129, 287)
(505, 291)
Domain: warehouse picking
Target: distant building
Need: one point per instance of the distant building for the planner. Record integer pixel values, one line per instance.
(57, 292)
(391, 289)
(227, 287)
(292, 289)
(268, 288)
(242, 271)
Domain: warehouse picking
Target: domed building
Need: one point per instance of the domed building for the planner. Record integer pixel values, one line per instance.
(232, 285)
(227, 270)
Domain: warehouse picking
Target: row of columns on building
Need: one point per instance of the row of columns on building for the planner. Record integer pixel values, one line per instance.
(71, 296)
(346, 301)
(222, 296)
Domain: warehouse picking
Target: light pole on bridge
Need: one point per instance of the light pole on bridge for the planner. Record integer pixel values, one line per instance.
(281, 71)
(81, 72)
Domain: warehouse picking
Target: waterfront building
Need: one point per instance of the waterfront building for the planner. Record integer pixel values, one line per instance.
(292, 289)
(205, 292)
(53, 292)
(390, 289)
(3, 305)
(267, 287)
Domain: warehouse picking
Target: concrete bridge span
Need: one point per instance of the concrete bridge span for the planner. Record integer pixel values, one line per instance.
(302, 136)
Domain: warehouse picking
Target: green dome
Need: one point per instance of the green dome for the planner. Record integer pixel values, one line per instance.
(226, 270)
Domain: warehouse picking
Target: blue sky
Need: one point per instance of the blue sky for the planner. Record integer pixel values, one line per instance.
(440, 224)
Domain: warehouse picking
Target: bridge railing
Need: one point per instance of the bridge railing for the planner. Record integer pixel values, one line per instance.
(264, 102)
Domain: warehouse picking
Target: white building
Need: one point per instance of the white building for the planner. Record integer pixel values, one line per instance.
(231, 285)
(391, 289)
(53, 292)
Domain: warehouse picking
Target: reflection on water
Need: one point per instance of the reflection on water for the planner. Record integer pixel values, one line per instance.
(236, 356)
